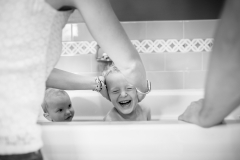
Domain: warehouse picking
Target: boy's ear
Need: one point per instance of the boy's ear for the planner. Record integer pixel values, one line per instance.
(47, 116)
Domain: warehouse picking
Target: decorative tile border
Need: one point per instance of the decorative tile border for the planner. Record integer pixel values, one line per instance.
(81, 47)
(145, 46)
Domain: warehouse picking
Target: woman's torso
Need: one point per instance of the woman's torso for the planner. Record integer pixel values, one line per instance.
(30, 46)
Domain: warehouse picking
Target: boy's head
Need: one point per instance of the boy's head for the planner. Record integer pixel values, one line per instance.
(57, 105)
(122, 94)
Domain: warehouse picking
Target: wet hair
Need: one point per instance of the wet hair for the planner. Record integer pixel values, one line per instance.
(110, 68)
(50, 93)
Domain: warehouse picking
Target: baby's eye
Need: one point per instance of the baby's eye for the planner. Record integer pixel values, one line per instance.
(69, 106)
(60, 110)
(129, 88)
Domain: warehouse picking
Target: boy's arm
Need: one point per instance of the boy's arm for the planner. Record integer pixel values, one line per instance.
(149, 115)
(146, 111)
(105, 118)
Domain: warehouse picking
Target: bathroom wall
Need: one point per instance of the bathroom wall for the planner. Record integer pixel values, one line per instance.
(160, 10)
(175, 53)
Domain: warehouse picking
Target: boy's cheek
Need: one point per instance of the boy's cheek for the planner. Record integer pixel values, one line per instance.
(111, 96)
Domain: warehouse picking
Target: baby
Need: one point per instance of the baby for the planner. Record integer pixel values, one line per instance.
(123, 97)
(57, 106)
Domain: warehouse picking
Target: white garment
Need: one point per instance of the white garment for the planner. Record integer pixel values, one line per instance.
(30, 46)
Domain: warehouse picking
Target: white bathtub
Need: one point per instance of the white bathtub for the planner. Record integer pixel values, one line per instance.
(89, 138)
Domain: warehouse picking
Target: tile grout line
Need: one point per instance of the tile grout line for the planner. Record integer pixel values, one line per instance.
(71, 33)
(184, 80)
(165, 62)
(146, 27)
(91, 62)
(183, 29)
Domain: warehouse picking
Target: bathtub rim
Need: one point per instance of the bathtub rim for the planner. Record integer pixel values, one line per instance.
(225, 123)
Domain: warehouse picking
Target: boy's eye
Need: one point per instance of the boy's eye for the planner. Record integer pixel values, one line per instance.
(116, 91)
(69, 106)
(129, 88)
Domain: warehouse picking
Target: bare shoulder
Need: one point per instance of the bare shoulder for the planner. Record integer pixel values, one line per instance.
(111, 115)
(107, 116)
(144, 109)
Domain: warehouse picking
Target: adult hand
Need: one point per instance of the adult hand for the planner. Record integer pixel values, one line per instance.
(136, 76)
(142, 95)
(104, 91)
(191, 114)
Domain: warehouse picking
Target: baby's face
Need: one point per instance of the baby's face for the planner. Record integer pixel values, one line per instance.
(60, 109)
(122, 94)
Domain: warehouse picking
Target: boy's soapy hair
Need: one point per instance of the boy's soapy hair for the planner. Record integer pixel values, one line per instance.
(50, 93)
(110, 68)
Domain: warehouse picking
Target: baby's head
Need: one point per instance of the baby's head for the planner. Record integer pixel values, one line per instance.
(57, 105)
(122, 94)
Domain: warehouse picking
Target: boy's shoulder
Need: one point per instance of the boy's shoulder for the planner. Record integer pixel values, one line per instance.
(145, 112)
(112, 115)
(144, 108)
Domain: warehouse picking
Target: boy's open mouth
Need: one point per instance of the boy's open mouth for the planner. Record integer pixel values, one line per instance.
(125, 103)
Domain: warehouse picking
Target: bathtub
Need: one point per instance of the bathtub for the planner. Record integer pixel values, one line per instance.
(87, 137)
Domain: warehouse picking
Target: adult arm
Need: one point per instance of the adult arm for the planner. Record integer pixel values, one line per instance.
(109, 33)
(222, 91)
(68, 81)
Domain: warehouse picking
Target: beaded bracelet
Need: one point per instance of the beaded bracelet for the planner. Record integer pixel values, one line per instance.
(148, 86)
(99, 85)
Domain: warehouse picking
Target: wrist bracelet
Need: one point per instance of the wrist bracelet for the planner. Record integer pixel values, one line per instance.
(148, 86)
(99, 85)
